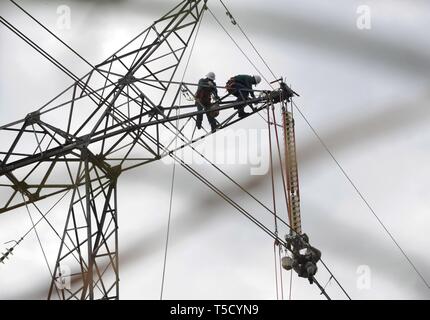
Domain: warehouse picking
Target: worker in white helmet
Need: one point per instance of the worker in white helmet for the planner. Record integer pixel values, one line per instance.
(241, 87)
(205, 91)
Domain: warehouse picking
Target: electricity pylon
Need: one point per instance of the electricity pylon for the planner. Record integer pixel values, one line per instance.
(119, 116)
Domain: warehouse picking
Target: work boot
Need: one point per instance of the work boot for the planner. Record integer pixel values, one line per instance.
(199, 125)
(242, 114)
(214, 125)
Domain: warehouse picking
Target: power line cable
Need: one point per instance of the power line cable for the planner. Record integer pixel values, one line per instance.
(174, 164)
(236, 206)
(256, 199)
(51, 33)
(274, 210)
(335, 160)
(238, 46)
(249, 40)
(37, 236)
(361, 196)
(243, 52)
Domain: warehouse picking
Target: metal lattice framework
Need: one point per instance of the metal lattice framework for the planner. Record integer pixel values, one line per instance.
(126, 112)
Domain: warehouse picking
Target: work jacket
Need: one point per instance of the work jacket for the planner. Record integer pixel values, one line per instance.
(246, 81)
(206, 87)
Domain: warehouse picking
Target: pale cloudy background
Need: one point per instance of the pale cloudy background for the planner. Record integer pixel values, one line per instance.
(365, 91)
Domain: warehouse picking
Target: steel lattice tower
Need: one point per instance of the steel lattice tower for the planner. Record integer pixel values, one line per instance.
(126, 112)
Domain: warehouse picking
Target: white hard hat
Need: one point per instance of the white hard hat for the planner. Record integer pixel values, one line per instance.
(257, 79)
(211, 76)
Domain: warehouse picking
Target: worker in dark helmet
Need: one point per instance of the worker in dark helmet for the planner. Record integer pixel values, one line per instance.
(304, 257)
(206, 89)
(241, 87)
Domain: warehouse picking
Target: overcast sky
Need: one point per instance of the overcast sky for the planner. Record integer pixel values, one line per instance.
(366, 92)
